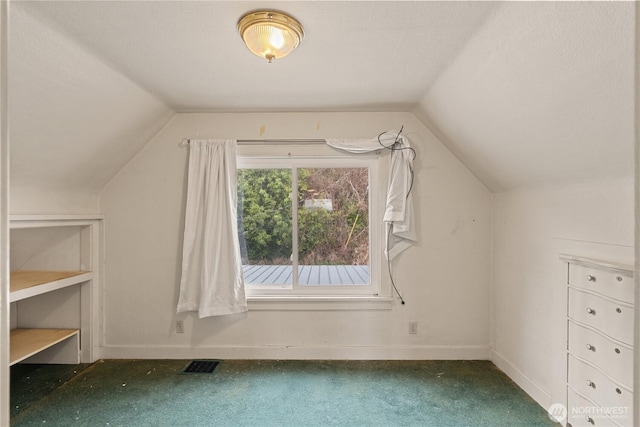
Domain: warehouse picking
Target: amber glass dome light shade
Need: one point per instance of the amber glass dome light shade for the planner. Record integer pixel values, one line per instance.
(269, 34)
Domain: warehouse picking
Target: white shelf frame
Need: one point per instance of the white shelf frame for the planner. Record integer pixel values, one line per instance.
(91, 261)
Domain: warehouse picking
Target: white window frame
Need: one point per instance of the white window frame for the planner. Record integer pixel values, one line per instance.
(376, 228)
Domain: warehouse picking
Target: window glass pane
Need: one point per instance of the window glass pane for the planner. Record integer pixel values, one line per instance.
(333, 226)
(265, 226)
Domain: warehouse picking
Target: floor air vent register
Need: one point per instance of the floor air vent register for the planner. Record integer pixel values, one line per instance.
(201, 367)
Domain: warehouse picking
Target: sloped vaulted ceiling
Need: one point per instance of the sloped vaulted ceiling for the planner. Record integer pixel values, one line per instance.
(74, 121)
(521, 92)
(542, 93)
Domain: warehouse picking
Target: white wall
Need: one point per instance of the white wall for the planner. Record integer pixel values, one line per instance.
(531, 227)
(445, 278)
(5, 375)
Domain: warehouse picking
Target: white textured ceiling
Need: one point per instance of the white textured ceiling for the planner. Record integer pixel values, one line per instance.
(543, 93)
(355, 55)
(73, 121)
(522, 92)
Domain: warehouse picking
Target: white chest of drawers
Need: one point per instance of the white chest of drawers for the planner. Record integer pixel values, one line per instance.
(599, 342)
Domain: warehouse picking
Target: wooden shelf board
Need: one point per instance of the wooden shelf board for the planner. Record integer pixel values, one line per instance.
(22, 279)
(23, 283)
(25, 343)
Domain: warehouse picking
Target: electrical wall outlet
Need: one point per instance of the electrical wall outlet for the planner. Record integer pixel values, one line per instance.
(179, 327)
(413, 328)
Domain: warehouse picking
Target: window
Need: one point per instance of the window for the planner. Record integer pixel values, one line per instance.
(309, 226)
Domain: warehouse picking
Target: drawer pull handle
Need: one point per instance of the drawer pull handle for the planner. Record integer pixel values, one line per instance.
(591, 311)
(617, 350)
(589, 419)
(619, 278)
(590, 347)
(591, 384)
(591, 278)
(618, 391)
(618, 310)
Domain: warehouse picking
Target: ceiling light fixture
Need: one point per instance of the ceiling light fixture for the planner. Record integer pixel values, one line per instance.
(270, 35)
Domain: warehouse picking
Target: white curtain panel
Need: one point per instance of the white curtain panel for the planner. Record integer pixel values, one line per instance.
(212, 283)
(399, 217)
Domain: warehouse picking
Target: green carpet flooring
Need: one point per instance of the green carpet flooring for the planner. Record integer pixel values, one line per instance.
(275, 393)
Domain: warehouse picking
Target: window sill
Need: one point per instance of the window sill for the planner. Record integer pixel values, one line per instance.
(328, 303)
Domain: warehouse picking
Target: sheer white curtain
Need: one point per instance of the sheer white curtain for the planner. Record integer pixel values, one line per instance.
(398, 216)
(212, 283)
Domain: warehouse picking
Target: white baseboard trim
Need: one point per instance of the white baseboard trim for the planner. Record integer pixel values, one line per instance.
(539, 394)
(298, 352)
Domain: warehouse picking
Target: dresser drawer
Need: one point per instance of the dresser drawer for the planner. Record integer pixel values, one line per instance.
(612, 358)
(594, 385)
(614, 319)
(583, 413)
(614, 285)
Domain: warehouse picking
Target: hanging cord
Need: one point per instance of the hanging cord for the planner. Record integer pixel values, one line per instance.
(393, 283)
(393, 148)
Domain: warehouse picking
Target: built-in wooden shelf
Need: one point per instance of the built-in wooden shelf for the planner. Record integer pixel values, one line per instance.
(28, 283)
(25, 343)
(46, 296)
